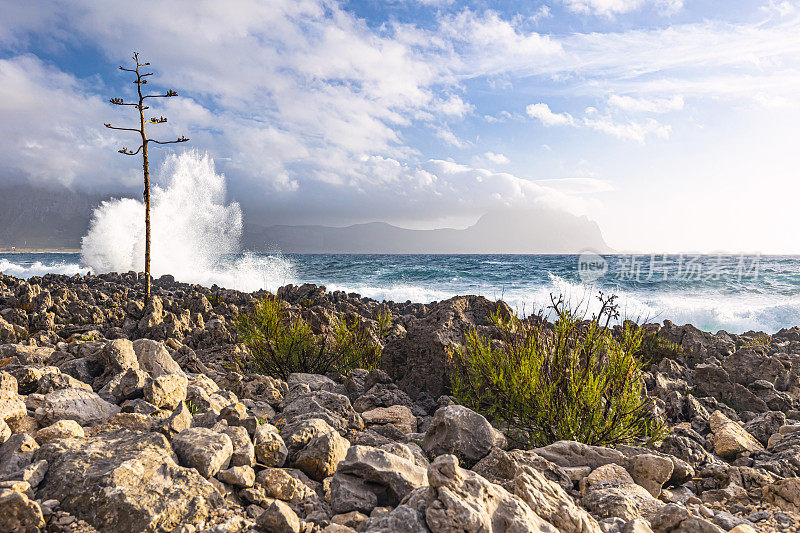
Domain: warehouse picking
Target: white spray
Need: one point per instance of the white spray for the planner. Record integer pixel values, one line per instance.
(195, 236)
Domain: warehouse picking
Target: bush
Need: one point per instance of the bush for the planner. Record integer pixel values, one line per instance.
(570, 380)
(281, 344)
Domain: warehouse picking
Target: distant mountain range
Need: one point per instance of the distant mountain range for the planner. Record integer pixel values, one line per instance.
(501, 232)
(39, 218)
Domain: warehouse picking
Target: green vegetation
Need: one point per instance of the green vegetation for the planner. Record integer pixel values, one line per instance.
(190, 407)
(572, 380)
(654, 348)
(760, 339)
(281, 343)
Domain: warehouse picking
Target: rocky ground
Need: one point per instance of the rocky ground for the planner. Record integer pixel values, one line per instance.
(119, 417)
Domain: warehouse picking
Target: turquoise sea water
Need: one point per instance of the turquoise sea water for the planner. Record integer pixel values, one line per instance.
(735, 293)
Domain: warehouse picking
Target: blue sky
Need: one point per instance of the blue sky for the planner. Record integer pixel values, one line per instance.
(674, 124)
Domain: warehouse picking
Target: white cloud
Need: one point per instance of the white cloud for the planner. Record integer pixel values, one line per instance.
(610, 8)
(646, 105)
(627, 130)
(541, 14)
(543, 113)
(497, 159)
(450, 138)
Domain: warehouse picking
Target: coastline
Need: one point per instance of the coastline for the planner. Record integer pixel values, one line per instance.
(372, 451)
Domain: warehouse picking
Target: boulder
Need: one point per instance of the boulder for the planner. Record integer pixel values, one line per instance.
(244, 453)
(784, 493)
(501, 467)
(650, 471)
(418, 361)
(16, 453)
(609, 491)
(335, 409)
(314, 447)
(390, 476)
(119, 355)
(403, 519)
(203, 449)
(285, 484)
(399, 416)
(63, 429)
(279, 518)
(85, 407)
(673, 518)
(460, 500)
(18, 512)
(548, 500)
(567, 453)
(270, 450)
(241, 476)
(154, 358)
(166, 391)
(12, 405)
(125, 481)
(730, 439)
(460, 431)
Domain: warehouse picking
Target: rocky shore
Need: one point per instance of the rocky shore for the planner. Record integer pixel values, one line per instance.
(115, 416)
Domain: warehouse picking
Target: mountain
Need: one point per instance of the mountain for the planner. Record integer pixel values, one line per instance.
(44, 218)
(57, 218)
(510, 232)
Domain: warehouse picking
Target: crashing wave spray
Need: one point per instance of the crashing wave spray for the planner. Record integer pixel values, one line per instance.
(195, 236)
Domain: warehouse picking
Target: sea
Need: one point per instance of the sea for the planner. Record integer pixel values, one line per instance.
(712, 292)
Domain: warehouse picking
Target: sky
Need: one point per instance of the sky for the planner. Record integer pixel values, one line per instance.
(675, 124)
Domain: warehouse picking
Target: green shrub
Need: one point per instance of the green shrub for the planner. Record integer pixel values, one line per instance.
(281, 344)
(571, 380)
(653, 348)
(353, 344)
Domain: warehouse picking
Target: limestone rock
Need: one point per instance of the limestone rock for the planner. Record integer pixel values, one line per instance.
(651, 472)
(63, 429)
(571, 453)
(399, 416)
(501, 467)
(203, 449)
(244, 453)
(335, 409)
(609, 491)
(460, 500)
(784, 493)
(242, 476)
(119, 356)
(12, 406)
(392, 476)
(457, 430)
(314, 447)
(125, 481)
(351, 493)
(154, 358)
(418, 361)
(279, 518)
(548, 500)
(676, 519)
(270, 450)
(166, 391)
(18, 512)
(85, 407)
(730, 439)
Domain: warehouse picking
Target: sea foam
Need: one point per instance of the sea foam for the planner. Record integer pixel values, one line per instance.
(195, 234)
